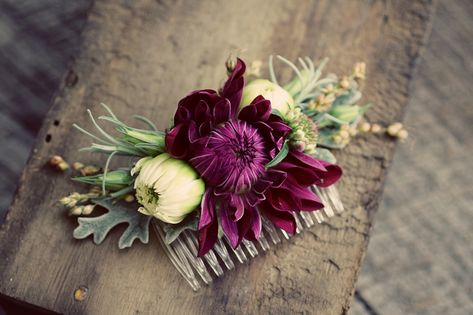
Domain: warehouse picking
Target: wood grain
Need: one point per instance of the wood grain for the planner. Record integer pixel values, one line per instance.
(141, 57)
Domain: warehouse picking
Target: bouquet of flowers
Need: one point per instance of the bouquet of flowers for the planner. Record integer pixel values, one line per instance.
(234, 160)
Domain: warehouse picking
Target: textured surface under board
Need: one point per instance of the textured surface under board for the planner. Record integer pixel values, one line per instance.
(387, 35)
(420, 256)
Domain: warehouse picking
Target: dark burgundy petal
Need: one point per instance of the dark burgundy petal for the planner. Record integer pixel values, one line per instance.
(205, 128)
(207, 211)
(177, 141)
(182, 115)
(207, 237)
(233, 88)
(266, 131)
(192, 132)
(230, 228)
(333, 174)
(244, 225)
(254, 232)
(221, 112)
(308, 200)
(282, 219)
(189, 104)
(256, 225)
(202, 112)
(306, 170)
(208, 166)
(262, 185)
(283, 199)
(276, 176)
(192, 99)
(236, 207)
(280, 128)
(253, 198)
(258, 110)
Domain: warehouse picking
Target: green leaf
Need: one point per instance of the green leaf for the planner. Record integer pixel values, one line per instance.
(348, 98)
(99, 227)
(276, 112)
(114, 180)
(325, 139)
(325, 154)
(280, 156)
(173, 231)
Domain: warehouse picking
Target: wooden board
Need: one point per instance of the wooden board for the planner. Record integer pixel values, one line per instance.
(141, 57)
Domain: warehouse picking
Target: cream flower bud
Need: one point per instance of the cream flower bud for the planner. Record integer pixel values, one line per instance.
(280, 99)
(402, 134)
(394, 129)
(167, 189)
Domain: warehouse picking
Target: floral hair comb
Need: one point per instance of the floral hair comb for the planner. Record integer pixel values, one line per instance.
(239, 168)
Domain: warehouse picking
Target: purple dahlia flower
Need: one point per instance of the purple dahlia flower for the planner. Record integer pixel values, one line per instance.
(230, 148)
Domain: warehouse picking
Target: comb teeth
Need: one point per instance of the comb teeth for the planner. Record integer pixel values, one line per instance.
(198, 270)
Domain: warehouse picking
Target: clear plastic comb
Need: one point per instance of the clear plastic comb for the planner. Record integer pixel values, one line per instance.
(201, 270)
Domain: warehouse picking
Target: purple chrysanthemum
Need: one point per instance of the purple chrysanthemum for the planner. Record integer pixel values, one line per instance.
(230, 149)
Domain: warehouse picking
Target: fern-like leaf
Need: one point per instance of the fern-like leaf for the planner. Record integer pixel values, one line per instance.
(99, 227)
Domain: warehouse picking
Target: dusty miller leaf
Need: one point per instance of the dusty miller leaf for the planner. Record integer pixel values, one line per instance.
(326, 140)
(99, 227)
(325, 154)
(173, 231)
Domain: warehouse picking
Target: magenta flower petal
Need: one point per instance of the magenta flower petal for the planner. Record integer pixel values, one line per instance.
(207, 209)
(276, 176)
(307, 199)
(282, 219)
(283, 199)
(207, 238)
(222, 111)
(280, 128)
(307, 170)
(230, 228)
(255, 231)
(187, 106)
(202, 112)
(258, 110)
(236, 207)
(177, 141)
(333, 174)
(182, 115)
(233, 88)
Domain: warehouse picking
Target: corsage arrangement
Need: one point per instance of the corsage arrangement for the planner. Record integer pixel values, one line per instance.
(235, 161)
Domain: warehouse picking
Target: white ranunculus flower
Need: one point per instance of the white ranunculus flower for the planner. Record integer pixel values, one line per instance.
(279, 97)
(167, 189)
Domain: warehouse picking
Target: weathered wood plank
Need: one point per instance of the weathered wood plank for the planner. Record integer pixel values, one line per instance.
(142, 57)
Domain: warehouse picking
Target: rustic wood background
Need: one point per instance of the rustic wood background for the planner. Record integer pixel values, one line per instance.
(24, 52)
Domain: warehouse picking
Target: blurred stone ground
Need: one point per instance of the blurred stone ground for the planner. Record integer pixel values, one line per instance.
(420, 257)
(37, 41)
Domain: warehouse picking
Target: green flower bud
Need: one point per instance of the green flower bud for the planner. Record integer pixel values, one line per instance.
(133, 135)
(167, 189)
(114, 180)
(347, 113)
(304, 133)
(280, 99)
